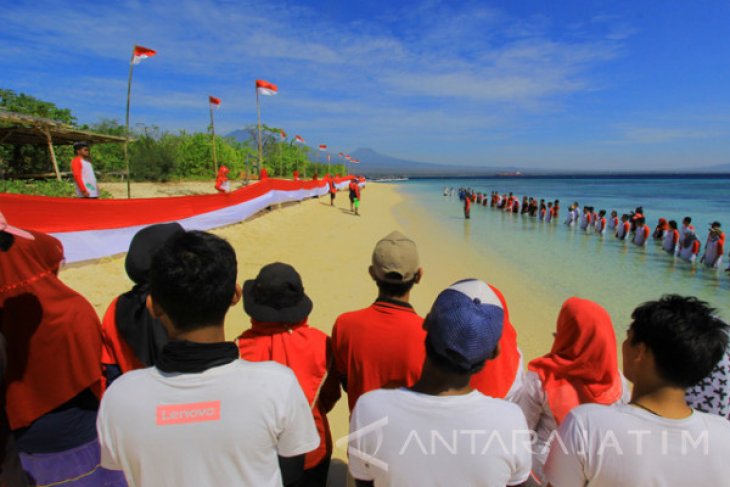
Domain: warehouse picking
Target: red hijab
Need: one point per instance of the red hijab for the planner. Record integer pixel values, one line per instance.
(53, 333)
(582, 366)
(498, 375)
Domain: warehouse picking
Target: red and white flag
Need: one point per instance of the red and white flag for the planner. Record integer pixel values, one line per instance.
(322, 147)
(348, 157)
(141, 53)
(299, 139)
(214, 102)
(355, 161)
(266, 88)
(282, 134)
(340, 154)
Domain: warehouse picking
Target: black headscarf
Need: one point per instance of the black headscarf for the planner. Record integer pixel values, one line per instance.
(144, 334)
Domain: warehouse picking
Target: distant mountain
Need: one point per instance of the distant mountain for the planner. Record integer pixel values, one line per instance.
(719, 168)
(375, 164)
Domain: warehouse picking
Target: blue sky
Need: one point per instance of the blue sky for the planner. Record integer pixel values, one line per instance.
(537, 84)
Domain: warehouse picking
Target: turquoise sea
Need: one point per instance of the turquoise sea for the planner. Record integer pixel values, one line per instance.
(568, 261)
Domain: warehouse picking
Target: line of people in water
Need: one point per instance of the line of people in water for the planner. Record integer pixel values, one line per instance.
(679, 241)
(155, 395)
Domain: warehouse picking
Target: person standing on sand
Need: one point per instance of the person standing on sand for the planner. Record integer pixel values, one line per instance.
(202, 416)
(382, 345)
(463, 331)
(333, 191)
(279, 310)
(656, 439)
(354, 188)
(83, 172)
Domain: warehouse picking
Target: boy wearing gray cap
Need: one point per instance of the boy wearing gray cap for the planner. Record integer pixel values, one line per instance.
(382, 345)
(441, 431)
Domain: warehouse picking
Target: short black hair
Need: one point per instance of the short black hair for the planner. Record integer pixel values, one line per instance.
(684, 334)
(673, 224)
(6, 241)
(687, 219)
(193, 279)
(394, 290)
(449, 366)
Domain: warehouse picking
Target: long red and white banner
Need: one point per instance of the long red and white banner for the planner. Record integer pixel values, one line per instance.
(91, 229)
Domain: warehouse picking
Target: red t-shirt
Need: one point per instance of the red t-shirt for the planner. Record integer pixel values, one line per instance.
(382, 346)
(115, 351)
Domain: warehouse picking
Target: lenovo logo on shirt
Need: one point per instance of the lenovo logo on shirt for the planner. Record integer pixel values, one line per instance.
(194, 412)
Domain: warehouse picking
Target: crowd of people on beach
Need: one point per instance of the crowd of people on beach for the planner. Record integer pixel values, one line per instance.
(678, 241)
(154, 395)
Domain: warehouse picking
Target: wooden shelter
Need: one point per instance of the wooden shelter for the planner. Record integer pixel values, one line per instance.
(21, 129)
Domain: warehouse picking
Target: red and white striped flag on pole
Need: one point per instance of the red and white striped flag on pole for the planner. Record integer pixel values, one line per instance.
(299, 139)
(141, 53)
(266, 88)
(282, 134)
(348, 157)
(214, 102)
(323, 147)
(355, 161)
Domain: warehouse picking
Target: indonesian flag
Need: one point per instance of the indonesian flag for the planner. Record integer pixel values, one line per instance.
(348, 157)
(355, 161)
(266, 88)
(299, 139)
(214, 102)
(282, 134)
(141, 53)
(322, 147)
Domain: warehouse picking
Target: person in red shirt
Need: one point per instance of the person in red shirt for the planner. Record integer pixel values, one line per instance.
(467, 207)
(333, 191)
(383, 345)
(279, 331)
(132, 339)
(263, 174)
(222, 185)
(354, 196)
(295, 175)
(83, 172)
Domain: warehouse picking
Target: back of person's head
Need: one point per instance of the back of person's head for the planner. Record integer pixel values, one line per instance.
(614, 213)
(395, 265)
(624, 217)
(464, 327)
(193, 279)
(684, 335)
(143, 246)
(673, 224)
(687, 220)
(602, 212)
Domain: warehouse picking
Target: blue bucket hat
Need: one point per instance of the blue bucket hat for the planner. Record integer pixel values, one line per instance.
(465, 324)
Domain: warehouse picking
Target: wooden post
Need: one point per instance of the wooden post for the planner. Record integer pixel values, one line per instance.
(126, 142)
(53, 153)
(212, 140)
(258, 113)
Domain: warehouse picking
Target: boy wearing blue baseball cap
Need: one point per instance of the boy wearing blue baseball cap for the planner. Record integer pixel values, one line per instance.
(441, 431)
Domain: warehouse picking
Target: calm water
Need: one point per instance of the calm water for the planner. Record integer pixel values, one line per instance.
(617, 274)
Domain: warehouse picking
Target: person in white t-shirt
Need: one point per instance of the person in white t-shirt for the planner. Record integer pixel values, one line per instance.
(656, 439)
(201, 416)
(83, 172)
(441, 431)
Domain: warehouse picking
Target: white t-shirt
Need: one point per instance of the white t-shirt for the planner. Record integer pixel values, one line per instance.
(625, 445)
(403, 438)
(223, 426)
(540, 418)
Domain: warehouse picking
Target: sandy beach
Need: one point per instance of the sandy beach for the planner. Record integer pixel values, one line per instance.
(331, 249)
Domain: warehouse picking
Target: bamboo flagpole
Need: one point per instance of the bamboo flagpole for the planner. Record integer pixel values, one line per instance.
(138, 54)
(267, 89)
(214, 103)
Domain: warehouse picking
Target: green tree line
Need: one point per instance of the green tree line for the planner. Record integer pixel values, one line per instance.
(155, 154)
